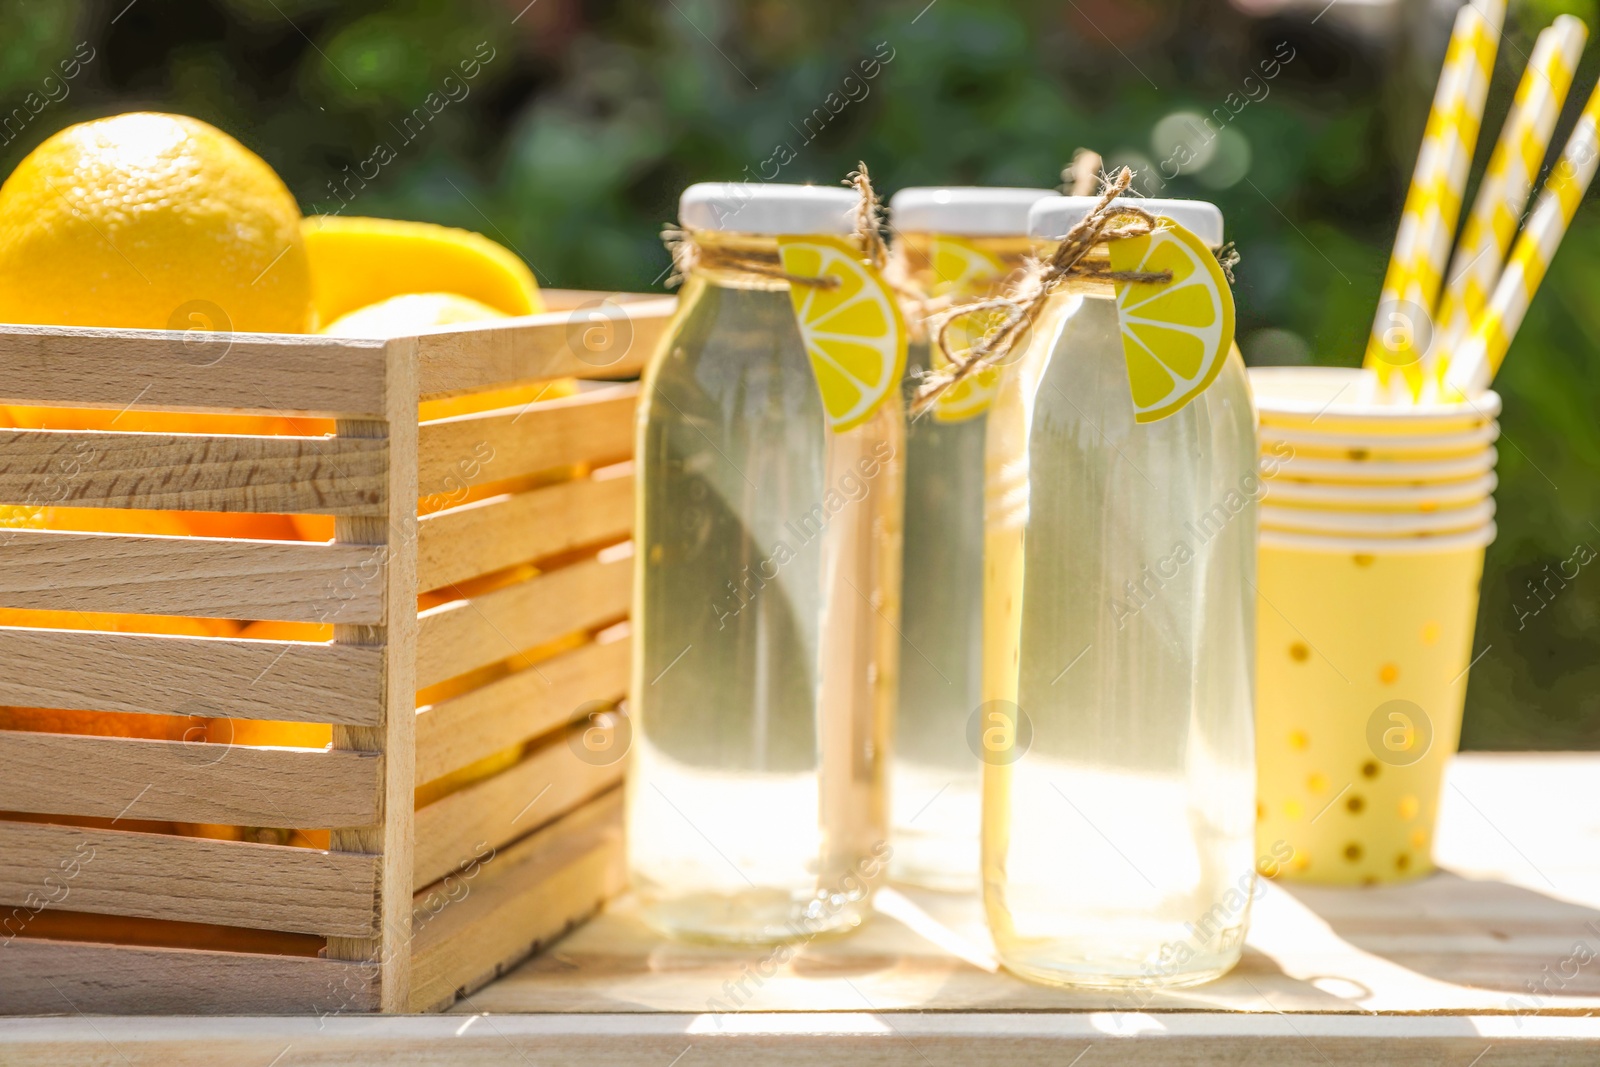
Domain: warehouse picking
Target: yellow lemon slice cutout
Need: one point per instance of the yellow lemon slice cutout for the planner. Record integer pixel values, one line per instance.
(970, 272)
(1175, 335)
(853, 331)
(962, 267)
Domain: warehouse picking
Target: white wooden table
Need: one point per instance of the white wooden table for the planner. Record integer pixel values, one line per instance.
(1495, 961)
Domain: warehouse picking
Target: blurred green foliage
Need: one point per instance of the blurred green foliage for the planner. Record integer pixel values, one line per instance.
(571, 142)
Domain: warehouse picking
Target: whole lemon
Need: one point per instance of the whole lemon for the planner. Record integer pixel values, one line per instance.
(358, 262)
(151, 221)
(400, 316)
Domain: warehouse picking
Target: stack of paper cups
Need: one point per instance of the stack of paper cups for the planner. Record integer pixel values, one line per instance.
(1374, 522)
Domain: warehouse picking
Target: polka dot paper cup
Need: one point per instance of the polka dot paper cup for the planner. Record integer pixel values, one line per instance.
(1312, 470)
(1422, 499)
(1363, 648)
(1362, 447)
(1378, 524)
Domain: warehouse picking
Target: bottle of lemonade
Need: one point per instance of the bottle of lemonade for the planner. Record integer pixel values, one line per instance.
(767, 576)
(1119, 621)
(953, 245)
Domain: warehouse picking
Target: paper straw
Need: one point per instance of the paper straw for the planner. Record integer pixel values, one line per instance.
(1474, 366)
(1508, 183)
(1433, 203)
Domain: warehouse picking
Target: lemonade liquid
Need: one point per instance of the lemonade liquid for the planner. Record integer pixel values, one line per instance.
(954, 245)
(766, 597)
(1119, 638)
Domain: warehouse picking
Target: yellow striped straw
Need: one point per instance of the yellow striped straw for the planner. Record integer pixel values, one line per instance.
(1508, 183)
(1475, 364)
(1433, 203)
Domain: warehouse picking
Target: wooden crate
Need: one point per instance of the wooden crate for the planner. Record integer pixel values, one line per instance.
(407, 906)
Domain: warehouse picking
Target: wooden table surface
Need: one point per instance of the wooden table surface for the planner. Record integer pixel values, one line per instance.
(1494, 961)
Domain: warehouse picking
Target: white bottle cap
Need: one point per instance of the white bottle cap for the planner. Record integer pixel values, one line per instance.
(965, 211)
(1053, 218)
(767, 210)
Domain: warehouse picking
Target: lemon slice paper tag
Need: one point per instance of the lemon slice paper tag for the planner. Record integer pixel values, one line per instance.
(1175, 334)
(962, 267)
(853, 331)
(969, 272)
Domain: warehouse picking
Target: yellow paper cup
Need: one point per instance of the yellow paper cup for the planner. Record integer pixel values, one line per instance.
(1299, 468)
(1348, 400)
(1360, 447)
(1362, 653)
(1378, 524)
(1422, 499)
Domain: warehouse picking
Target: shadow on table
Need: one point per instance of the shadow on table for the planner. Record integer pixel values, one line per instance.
(1471, 932)
(930, 955)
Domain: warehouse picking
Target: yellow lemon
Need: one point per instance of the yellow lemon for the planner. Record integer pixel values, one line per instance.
(1175, 334)
(151, 221)
(852, 331)
(357, 262)
(472, 773)
(404, 315)
(401, 316)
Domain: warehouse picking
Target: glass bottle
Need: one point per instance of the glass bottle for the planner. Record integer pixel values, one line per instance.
(766, 599)
(958, 244)
(1118, 654)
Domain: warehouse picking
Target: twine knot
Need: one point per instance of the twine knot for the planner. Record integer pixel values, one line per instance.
(1016, 310)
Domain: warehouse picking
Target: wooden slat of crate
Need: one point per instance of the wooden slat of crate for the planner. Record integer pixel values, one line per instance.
(464, 635)
(558, 344)
(218, 578)
(387, 829)
(192, 472)
(525, 896)
(269, 374)
(291, 681)
(121, 777)
(514, 442)
(154, 876)
(502, 531)
(548, 783)
(458, 731)
(69, 978)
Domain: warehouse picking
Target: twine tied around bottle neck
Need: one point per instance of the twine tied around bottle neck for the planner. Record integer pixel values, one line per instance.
(690, 252)
(1020, 305)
